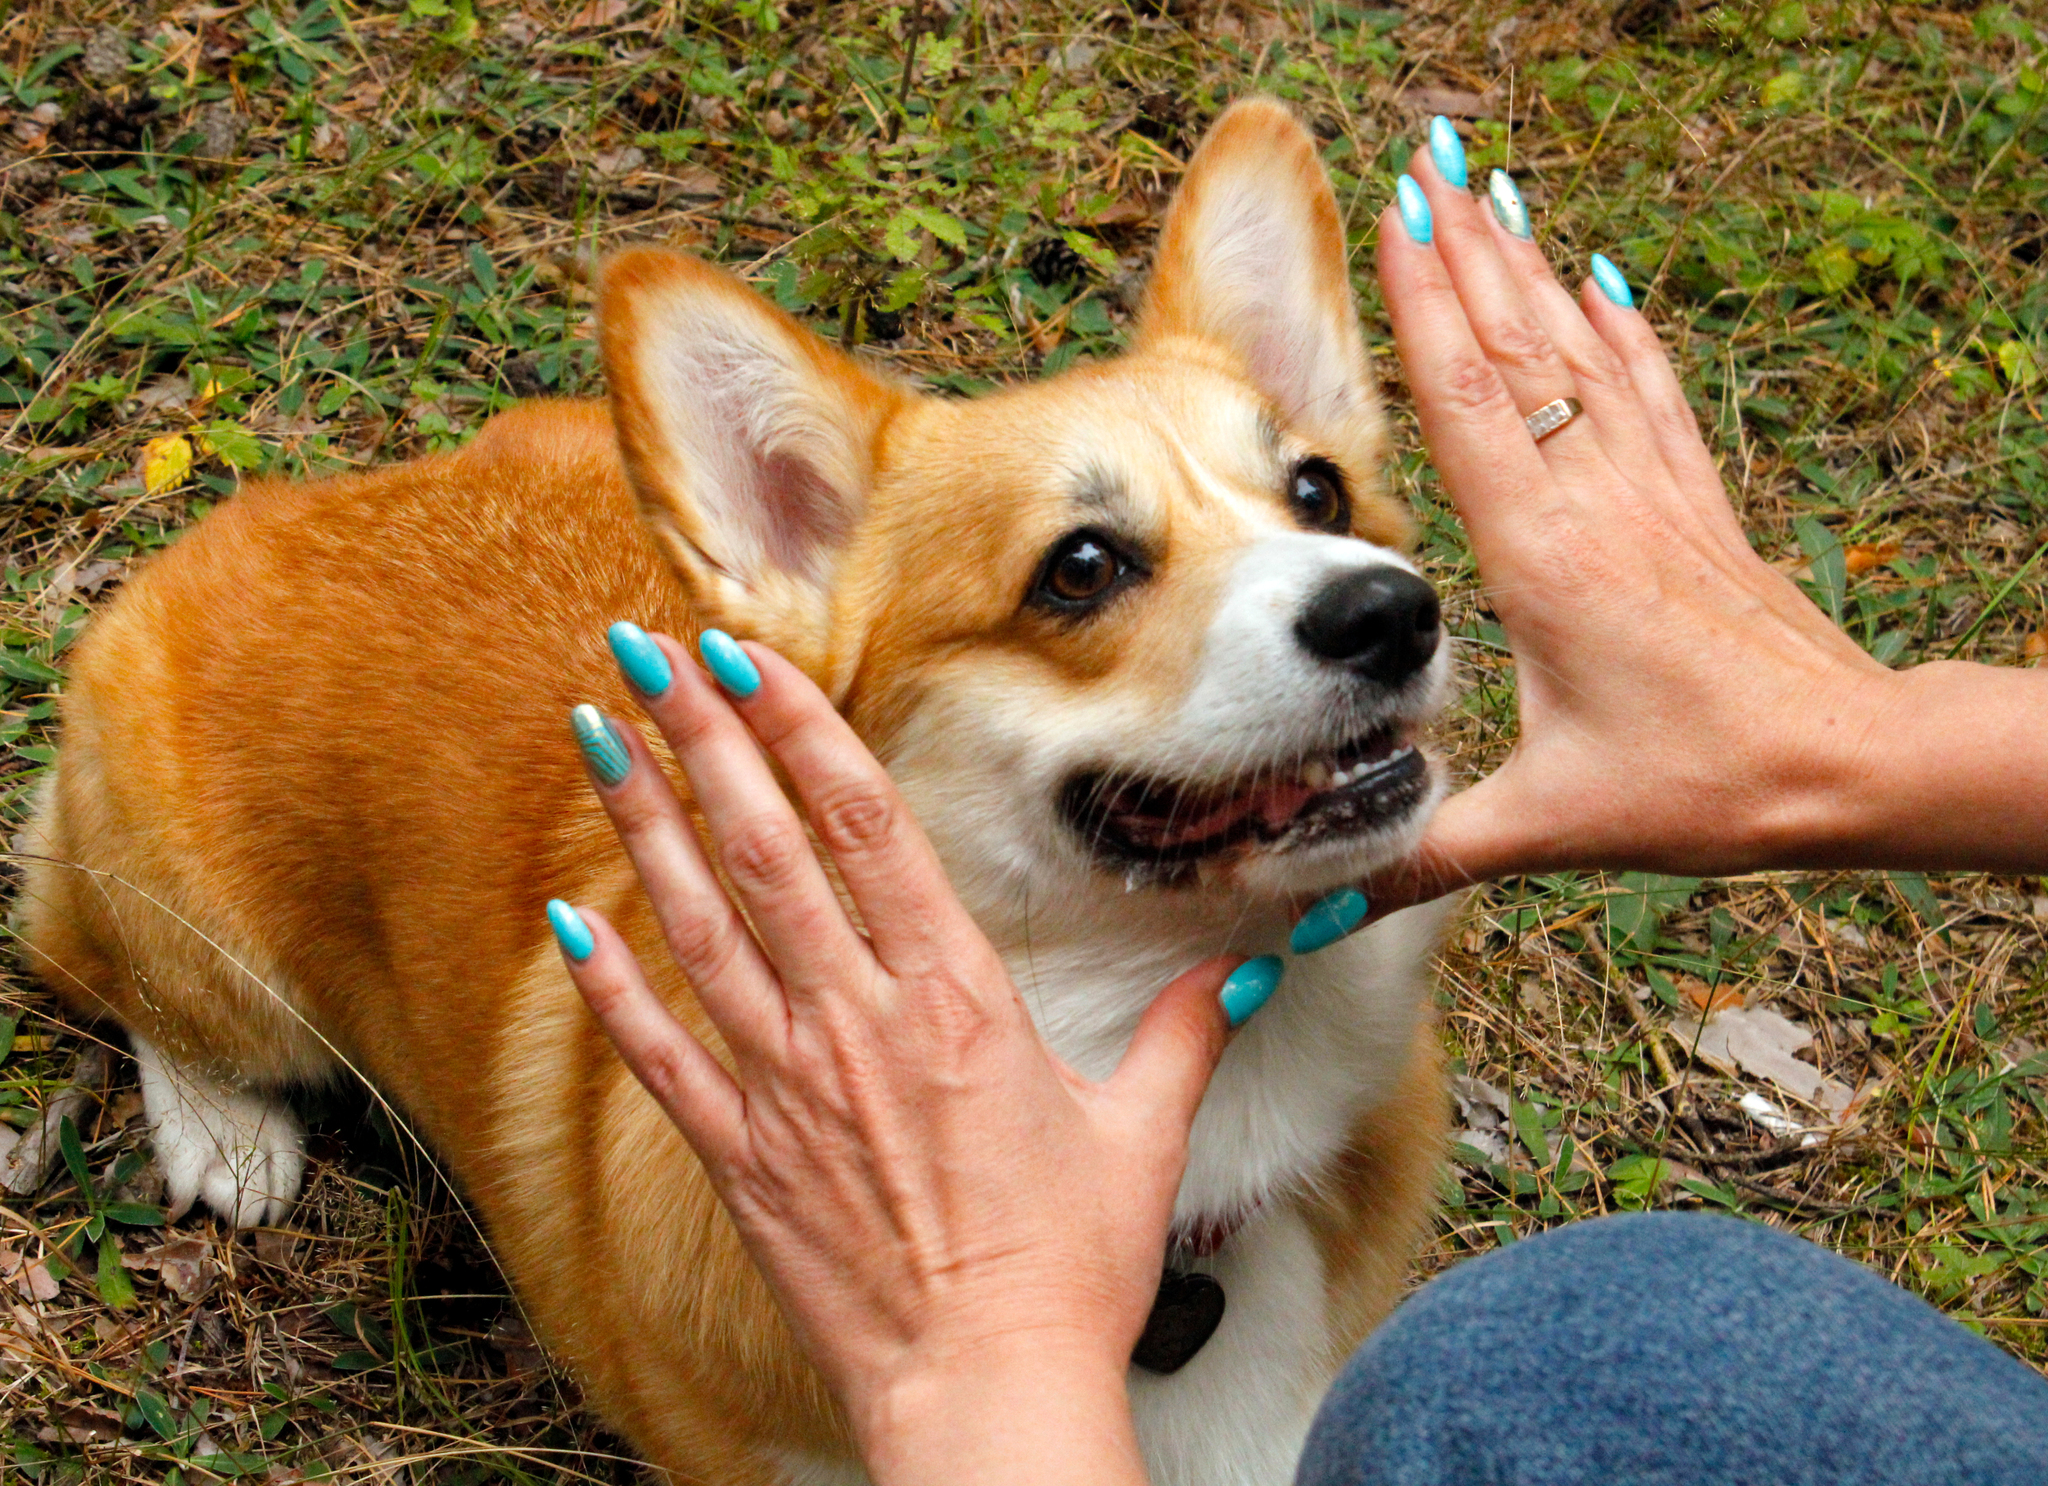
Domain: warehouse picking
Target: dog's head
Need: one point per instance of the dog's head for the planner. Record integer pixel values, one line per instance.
(1149, 619)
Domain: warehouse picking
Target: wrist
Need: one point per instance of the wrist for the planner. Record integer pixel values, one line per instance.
(1821, 800)
(1031, 1407)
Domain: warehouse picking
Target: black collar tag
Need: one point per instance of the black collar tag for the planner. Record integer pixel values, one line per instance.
(1185, 1315)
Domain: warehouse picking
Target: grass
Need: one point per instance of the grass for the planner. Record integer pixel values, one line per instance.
(292, 239)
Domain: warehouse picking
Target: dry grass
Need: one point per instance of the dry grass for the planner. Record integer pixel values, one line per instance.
(315, 236)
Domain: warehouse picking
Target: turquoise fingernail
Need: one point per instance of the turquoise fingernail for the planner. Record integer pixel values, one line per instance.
(1507, 204)
(724, 659)
(1447, 150)
(1249, 987)
(601, 743)
(1328, 921)
(570, 931)
(1611, 283)
(1414, 209)
(640, 658)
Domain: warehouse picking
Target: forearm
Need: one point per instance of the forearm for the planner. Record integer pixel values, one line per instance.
(1941, 767)
(1021, 1417)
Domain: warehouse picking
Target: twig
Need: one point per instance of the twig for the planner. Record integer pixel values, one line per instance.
(914, 28)
(25, 1167)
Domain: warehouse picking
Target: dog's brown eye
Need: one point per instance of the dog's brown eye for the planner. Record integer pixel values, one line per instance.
(1319, 498)
(1080, 570)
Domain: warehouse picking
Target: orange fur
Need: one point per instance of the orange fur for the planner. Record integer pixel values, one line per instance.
(315, 787)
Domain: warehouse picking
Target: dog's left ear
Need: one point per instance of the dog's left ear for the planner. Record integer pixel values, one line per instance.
(749, 442)
(1253, 258)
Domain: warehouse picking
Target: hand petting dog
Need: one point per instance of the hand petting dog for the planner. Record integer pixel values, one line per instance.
(938, 1201)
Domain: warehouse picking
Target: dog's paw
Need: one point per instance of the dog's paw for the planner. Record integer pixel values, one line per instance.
(239, 1151)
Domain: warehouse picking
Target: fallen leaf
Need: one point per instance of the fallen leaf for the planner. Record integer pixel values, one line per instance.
(1480, 1104)
(1760, 1042)
(1775, 1120)
(1452, 102)
(165, 462)
(2036, 645)
(1709, 1000)
(75, 1425)
(1864, 556)
(30, 1277)
(599, 13)
(185, 1265)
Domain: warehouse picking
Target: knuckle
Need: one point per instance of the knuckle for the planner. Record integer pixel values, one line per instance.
(1520, 345)
(703, 943)
(1470, 384)
(766, 855)
(856, 820)
(1598, 366)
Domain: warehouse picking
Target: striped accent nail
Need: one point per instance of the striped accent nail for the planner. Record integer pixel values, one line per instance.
(570, 931)
(1250, 986)
(601, 743)
(728, 664)
(640, 659)
(1335, 917)
(1414, 210)
(1447, 151)
(1508, 206)
(1611, 283)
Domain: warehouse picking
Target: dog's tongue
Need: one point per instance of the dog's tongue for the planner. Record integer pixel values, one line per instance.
(1273, 804)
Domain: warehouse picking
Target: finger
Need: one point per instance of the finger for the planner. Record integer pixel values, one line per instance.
(1605, 384)
(1174, 1053)
(912, 916)
(1474, 431)
(1508, 328)
(689, 1084)
(711, 944)
(760, 842)
(1670, 416)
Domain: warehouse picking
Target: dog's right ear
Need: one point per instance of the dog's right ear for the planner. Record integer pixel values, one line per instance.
(749, 442)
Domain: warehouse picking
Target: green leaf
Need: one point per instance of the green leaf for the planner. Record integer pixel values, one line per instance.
(1834, 267)
(1829, 563)
(232, 1463)
(1913, 888)
(1636, 1179)
(1529, 1130)
(480, 265)
(1784, 89)
(134, 1214)
(232, 444)
(18, 667)
(1637, 904)
(7, 1026)
(2016, 360)
(74, 1155)
(1788, 22)
(946, 228)
(112, 1280)
(904, 289)
(156, 1414)
(898, 236)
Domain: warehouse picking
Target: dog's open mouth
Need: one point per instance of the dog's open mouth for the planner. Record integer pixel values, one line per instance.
(1372, 781)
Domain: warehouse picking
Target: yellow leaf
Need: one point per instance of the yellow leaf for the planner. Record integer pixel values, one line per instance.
(165, 463)
(2036, 645)
(1864, 556)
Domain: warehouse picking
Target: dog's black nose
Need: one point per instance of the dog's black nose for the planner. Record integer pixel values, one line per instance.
(1380, 622)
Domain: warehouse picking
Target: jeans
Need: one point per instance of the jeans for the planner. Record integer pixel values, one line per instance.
(1668, 1348)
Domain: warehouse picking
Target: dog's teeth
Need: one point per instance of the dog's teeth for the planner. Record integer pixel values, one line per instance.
(1341, 778)
(1316, 775)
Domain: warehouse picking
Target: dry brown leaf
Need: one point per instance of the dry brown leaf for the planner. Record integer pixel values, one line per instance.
(2036, 645)
(185, 1265)
(1760, 1042)
(75, 1425)
(1453, 102)
(1864, 556)
(599, 13)
(1706, 998)
(30, 1277)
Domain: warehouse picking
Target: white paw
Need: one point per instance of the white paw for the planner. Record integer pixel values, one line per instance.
(239, 1151)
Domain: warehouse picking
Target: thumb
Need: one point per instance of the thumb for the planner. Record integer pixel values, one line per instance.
(1490, 830)
(1167, 1067)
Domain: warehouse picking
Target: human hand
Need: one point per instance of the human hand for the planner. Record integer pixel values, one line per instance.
(1684, 707)
(957, 1226)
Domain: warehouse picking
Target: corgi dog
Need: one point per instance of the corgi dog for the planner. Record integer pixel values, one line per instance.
(1139, 643)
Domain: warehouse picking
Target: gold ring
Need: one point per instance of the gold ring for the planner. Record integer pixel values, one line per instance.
(1552, 416)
